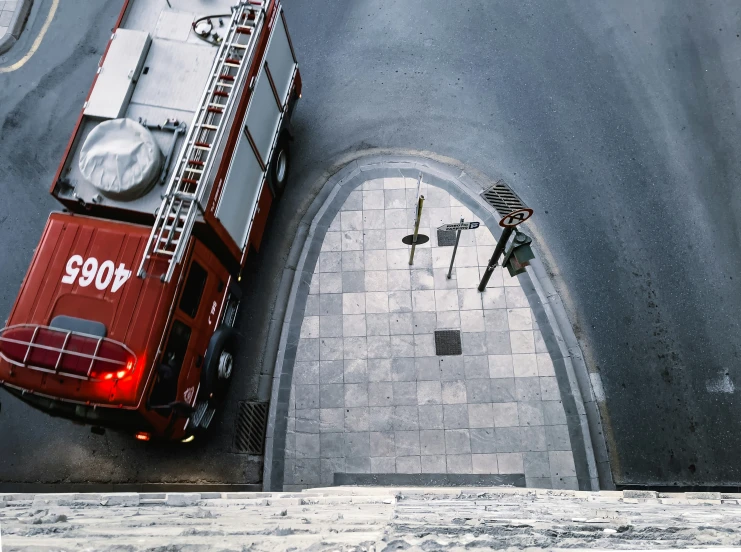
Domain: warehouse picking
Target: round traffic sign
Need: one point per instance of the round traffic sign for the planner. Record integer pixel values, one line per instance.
(516, 217)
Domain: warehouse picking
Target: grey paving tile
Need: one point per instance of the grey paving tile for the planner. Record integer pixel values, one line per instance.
(330, 261)
(352, 261)
(505, 415)
(562, 464)
(394, 199)
(426, 368)
(308, 350)
(498, 343)
(351, 220)
(516, 298)
(307, 445)
(380, 394)
(540, 346)
(424, 345)
(508, 439)
(310, 327)
(533, 439)
(382, 443)
(483, 440)
(383, 465)
(356, 419)
(375, 280)
(330, 348)
(472, 321)
(408, 464)
(502, 390)
(332, 395)
(307, 421)
(496, 320)
(429, 392)
(440, 275)
(379, 369)
(470, 299)
(357, 465)
(454, 392)
(484, 463)
(398, 280)
(330, 466)
(356, 371)
(510, 462)
(519, 319)
(500, 366)
(356, 394)
(332, 445)
(402, 346)
(401, 323)
(480, 415)
(422, 258)
(423, 301)
(474, 343)
(405, 418)
(314, 283)
(538, 483)
(455, 416)
(375, 260)
(353, 303)
(354, 201)
(377, 324)
(452, 368)
(373, 200)
(307, 396)
(405, 393)
(351, 240)
(527, 389)
(448, 320)
(381, 418)
(432, 441)
(357, 445)
(398, 259)
(407, 443)
(522, 342)
(373, 219)
(545, 365)
(399, 301)
(403, 369)
(553, 413)
(353, 325)
(379, 346)
(330, 304)
(557, 437)
(332, 420)
(478, 390)
(536, 464)
(433, 464)
(459, 463)
(307, 471)
(570, 483)
(530, 413)
(493, 298)
(424, 322)
(355, 347)
(422, 279)
(457, 440)
(353, 282)
(330, 326)
(306, 372)
(330, 282)
(446, 300)
(312, 306)
(431, 416)
(549, 390)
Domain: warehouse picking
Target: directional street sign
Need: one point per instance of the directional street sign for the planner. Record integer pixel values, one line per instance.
(460, 226)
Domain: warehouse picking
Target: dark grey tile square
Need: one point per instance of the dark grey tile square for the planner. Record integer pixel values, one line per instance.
(497, 343)
(407, 443)
(307, 471)
(476, 367)
(557, 437)
(329, 467)
(357, 445)
(382, 443)
(307, 445)
(530, 413)
(353, 282)
(403, 369)
(452, 368)
(405, 393)
(331, 371)
(356, 394)
(332, 420)
(332, 395)
(307, 350)
(380, 393)
(536, 465)
(455, 416)
(427, 368)
(405, 418)
(432, 441)
(307, 421)
(306, 373)
(381, 418)
(508, 439)
(457, 441)
(553, 413)
(483, 441)
(379, 369)
(332, 445)
(330, 303)
(527, 389)
(478, 391)
(307, 396)
(502, 390)
(474, 343)
(533, 439)
(431, 416)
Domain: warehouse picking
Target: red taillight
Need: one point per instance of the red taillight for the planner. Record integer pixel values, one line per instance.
(142, 436)
(59, 351)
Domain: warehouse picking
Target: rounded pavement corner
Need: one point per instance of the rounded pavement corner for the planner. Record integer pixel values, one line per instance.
(6, 43)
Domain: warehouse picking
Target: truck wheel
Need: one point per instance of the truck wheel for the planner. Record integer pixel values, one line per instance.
(218, 364)
(280, 165)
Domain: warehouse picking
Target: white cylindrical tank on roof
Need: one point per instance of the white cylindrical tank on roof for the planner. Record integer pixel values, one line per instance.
(121, 159)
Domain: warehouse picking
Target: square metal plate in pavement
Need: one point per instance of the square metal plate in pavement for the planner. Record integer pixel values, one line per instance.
(448, 342)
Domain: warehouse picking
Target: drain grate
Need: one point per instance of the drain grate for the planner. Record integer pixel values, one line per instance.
(448, 342)
(252, 421)
(503, 199)
(446, 238)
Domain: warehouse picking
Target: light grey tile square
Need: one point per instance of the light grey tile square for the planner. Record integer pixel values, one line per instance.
(469, 299)
(397, 259)
(308, 350)
(373, 219)
(332, 445)
(455, 416)
(394, 199)
(357, 465)
(468, 277)
(505, 415)
(377, 301)
(398, 280)
(330, 282)
(357, 445)
(457, 440)
(356, 371)
(472, 321)
(424, 322)
(332, 395)
(383, 465)
(549, 390)
(400, 323)
(405, 418)
(403, 369)
(353, 303)
(522, 341)
(433, 464)
(483, 440)
(355, 347)
(402, 346)
(424, 345)
(351, 220)
(375, 280)
(454, 392)
(335, 224)
(557, 437)
(396, 218)
(380, 418)
(498, 343)
(545, 365)
(423, 301)
(530, 413)
(407, 443)
(480, 415)
(307, 445)
(553, 413)
(533, 439)
(374, 239)
(375, 260)
(536, 464)
(510, 463)
(432, 441)
(330, 261)
(446, 299)
(429, 392)
(540, 346)
(332, 420)
(525, 365)
(306, 372)
(452, 368)
(476, 367)
(356, 394)
(448, 320)
(459, 463)
(519, 319)
(310, 327)
(508, 439)
(377, 324)
(356, 419)
(307, 396)
(440, 275)
(408, 464)
(353, 325)
(500, 366)
(307, 471)
(354, 201)
(527, 389)
(330, 304)
(379, 369)
(373, 200)
(427, 368)
(352, 240)
(329, 467)
(516, 298)
(330, 348)
(474, 343)
(379, 346)
(399, 301)
(405, 393)
(562, 463)
(493, 298)
(312, 306)
(352, 261)
(484, 463)
(431, 416)
(307, 421)
(380, 394)
(330, 325)
(496, 320)
(422, 279)
(478, 391)
(382, 443)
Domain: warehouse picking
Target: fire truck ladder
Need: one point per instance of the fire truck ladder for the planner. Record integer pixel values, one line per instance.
(181, 204)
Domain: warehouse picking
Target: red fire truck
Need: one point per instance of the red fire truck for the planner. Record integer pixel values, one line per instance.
(124, 319)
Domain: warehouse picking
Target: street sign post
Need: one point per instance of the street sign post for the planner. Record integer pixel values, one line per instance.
(458, 227)
(417, 218)
(509, 222)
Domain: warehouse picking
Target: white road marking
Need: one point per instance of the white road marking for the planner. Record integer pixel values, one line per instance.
(36, 43)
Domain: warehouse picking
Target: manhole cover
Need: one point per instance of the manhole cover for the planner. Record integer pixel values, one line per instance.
(446, 238)
(421, 238)
(252, 420)
(448, 342)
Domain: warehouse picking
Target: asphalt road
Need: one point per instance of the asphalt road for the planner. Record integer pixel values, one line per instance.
(614, 120)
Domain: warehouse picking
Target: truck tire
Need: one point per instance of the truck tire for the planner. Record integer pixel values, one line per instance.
(218, 364)
(280, 164)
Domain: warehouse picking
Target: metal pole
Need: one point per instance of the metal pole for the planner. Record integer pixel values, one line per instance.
(416, 227)
(501, 244)
(455, 248)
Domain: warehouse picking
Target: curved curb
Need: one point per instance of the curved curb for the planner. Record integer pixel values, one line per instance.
(16, 25)
(588, 445)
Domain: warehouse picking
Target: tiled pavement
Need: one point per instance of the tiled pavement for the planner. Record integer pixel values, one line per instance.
(369, 394)
(7, 9)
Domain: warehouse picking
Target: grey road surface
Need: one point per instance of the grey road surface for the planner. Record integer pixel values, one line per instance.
(614, 120)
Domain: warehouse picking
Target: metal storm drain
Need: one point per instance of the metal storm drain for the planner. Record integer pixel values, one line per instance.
(503, 199)
(448, 342)
(445, 238)
(252, 421)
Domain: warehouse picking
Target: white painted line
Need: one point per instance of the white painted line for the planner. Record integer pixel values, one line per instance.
(36, 43)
